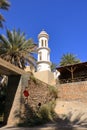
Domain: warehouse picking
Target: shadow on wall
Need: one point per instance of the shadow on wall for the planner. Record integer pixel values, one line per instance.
(13, 82)
(36, 110)
(27, 115)
(33, 120)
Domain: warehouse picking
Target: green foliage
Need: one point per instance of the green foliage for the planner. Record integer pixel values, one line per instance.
(43, 115)
(4, 4)
(33, 79)
(46, 112)
(16, 49)
(68, 59)
(53, 91)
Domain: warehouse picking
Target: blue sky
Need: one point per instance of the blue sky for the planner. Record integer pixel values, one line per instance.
(64, 20)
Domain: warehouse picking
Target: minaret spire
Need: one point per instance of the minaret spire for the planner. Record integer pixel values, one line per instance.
(43, 61)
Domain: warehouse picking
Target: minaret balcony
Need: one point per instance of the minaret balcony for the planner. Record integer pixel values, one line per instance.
(47, 62)
(39, 48)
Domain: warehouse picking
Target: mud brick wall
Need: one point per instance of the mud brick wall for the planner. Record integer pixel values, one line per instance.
(73, 91)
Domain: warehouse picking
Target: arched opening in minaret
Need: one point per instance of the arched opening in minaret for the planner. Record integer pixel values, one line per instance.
(45, 43)
(42, 43)
(40, 56)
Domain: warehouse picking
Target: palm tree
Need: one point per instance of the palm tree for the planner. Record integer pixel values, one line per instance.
(16, 49)
(4, 4)
(68, 59)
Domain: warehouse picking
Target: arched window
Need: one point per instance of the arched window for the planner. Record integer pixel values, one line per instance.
(45, 43)
(40, 56)
(42, 43)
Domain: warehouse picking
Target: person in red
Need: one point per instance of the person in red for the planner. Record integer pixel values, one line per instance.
(26, 94)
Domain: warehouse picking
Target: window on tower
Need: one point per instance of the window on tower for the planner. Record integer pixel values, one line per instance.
(40, 56)
(45, 43)
(42, 43)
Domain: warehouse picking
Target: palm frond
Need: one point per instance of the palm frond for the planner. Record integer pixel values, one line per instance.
(18, 48)
(1, 20)
(68, 59)
(4, 4)
(4, 41)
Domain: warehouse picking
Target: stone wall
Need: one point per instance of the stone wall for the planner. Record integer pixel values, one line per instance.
(17, 111)
(73, 91)
(38, 93)
(45, 76)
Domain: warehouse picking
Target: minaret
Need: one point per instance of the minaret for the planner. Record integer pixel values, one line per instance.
(43, 61)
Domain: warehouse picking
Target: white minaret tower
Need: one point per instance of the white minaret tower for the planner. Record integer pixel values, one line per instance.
(43, 61)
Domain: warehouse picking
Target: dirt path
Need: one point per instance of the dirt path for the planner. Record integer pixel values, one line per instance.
(72, 116)
(42, 128)
(74, 112)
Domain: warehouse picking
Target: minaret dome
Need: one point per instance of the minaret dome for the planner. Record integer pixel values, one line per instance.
(43, 34)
